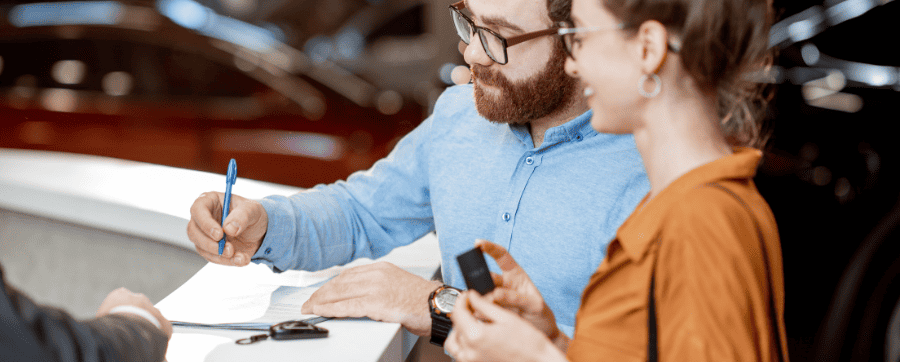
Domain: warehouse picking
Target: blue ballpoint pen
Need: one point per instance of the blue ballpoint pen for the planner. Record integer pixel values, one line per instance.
(230, 178)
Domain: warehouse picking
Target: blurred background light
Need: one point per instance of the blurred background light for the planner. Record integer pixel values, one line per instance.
(68, 71)
(186, 13)
(350, 43)
(821, 176)
(446, 73)
(835, 80)
(810, 54)
(276, 31)
(802, 30)
(65, 13)
(313, 107)
(842, 188)
(239, 32)
(319, 48)
(461, 74)
(389, 102)
(305, 144)
(59, 100)
(239, 7)
(117, 83)
(872, 75)
(844, 102)
(848, 9)
(193, 15)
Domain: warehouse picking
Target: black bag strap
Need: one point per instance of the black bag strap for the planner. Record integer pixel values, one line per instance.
(653, 338)
(652, 348)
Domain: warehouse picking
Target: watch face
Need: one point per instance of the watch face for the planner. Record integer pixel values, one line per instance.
(445, 299)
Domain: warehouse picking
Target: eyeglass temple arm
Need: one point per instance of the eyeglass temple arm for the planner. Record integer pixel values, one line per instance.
(525, 37)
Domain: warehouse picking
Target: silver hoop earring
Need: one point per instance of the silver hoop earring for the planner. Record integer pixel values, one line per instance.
(656, 88)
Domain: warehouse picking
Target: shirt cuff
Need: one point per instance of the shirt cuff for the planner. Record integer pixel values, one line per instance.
(272, 249)
(141, 312)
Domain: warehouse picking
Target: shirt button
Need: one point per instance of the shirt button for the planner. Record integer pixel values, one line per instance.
(578, 137)
(268, 250)
(506, 216)
(529, 160)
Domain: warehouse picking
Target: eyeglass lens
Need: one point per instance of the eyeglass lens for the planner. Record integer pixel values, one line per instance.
(491, 43)
(568, 39)
(569, 44)
(463, 28)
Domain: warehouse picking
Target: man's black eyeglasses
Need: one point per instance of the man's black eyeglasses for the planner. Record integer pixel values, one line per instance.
(494, 44)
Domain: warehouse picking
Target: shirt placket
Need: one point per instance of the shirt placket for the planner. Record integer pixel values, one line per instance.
(506, 216)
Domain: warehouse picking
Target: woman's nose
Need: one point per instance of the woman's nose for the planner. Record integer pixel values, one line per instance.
(571, 67)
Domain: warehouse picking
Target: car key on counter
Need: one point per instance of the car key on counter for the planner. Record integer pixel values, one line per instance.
(475, 271)
(287, 331)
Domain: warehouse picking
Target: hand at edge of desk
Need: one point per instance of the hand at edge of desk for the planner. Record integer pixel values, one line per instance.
(245, 228)
(380, 291)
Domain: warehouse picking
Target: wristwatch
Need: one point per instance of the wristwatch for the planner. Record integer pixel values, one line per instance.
(441, 303)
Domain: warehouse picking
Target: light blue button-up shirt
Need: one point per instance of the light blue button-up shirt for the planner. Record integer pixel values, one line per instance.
(554, 207)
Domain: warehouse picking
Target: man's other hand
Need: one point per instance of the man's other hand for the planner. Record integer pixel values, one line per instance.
(125, 297)
(244, 228)
(380, 291)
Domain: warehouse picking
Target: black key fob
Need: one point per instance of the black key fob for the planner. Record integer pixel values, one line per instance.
(475, 271)
(296, 330)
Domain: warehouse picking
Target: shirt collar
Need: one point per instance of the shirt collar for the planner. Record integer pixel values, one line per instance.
(645, 223)
(571, 130)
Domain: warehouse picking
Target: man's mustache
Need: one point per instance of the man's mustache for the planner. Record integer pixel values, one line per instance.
(486, 76)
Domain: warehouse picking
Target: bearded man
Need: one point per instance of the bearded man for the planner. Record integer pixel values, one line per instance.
(511, 158)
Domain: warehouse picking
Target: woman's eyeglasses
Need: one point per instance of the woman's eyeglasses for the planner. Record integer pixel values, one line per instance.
(567, 33)
(494, 44)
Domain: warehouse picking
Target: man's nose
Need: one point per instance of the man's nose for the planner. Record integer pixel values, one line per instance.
(474, 53)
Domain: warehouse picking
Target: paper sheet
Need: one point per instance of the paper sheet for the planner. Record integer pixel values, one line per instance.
(222, 294)
(254, 294)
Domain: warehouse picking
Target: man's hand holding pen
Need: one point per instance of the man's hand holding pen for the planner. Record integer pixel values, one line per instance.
(245, 227)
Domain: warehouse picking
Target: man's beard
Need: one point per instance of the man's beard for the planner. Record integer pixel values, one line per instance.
(525, 101)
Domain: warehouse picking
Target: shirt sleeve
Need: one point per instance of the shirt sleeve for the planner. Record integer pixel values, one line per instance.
(366, 216)
(712, 292)
(30, 332)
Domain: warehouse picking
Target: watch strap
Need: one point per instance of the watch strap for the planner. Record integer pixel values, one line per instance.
(440, 328)
(440, 322)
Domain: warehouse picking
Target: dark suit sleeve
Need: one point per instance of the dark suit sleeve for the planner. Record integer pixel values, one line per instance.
(30, 332)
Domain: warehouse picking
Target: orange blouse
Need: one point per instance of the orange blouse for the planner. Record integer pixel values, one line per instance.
(707, 236)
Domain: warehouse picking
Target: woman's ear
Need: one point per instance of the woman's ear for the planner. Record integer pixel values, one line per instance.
(653, 39)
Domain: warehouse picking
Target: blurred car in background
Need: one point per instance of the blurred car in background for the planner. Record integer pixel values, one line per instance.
(174, 82)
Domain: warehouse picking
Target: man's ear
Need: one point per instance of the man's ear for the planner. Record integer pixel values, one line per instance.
(653, 38)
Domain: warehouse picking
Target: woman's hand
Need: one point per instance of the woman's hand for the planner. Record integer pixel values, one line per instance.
(515, 291)
(499, 335)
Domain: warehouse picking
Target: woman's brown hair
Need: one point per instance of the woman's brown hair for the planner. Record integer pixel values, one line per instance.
(721, 42)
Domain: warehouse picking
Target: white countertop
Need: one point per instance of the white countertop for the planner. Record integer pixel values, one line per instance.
(153, 202)
(135, 198)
